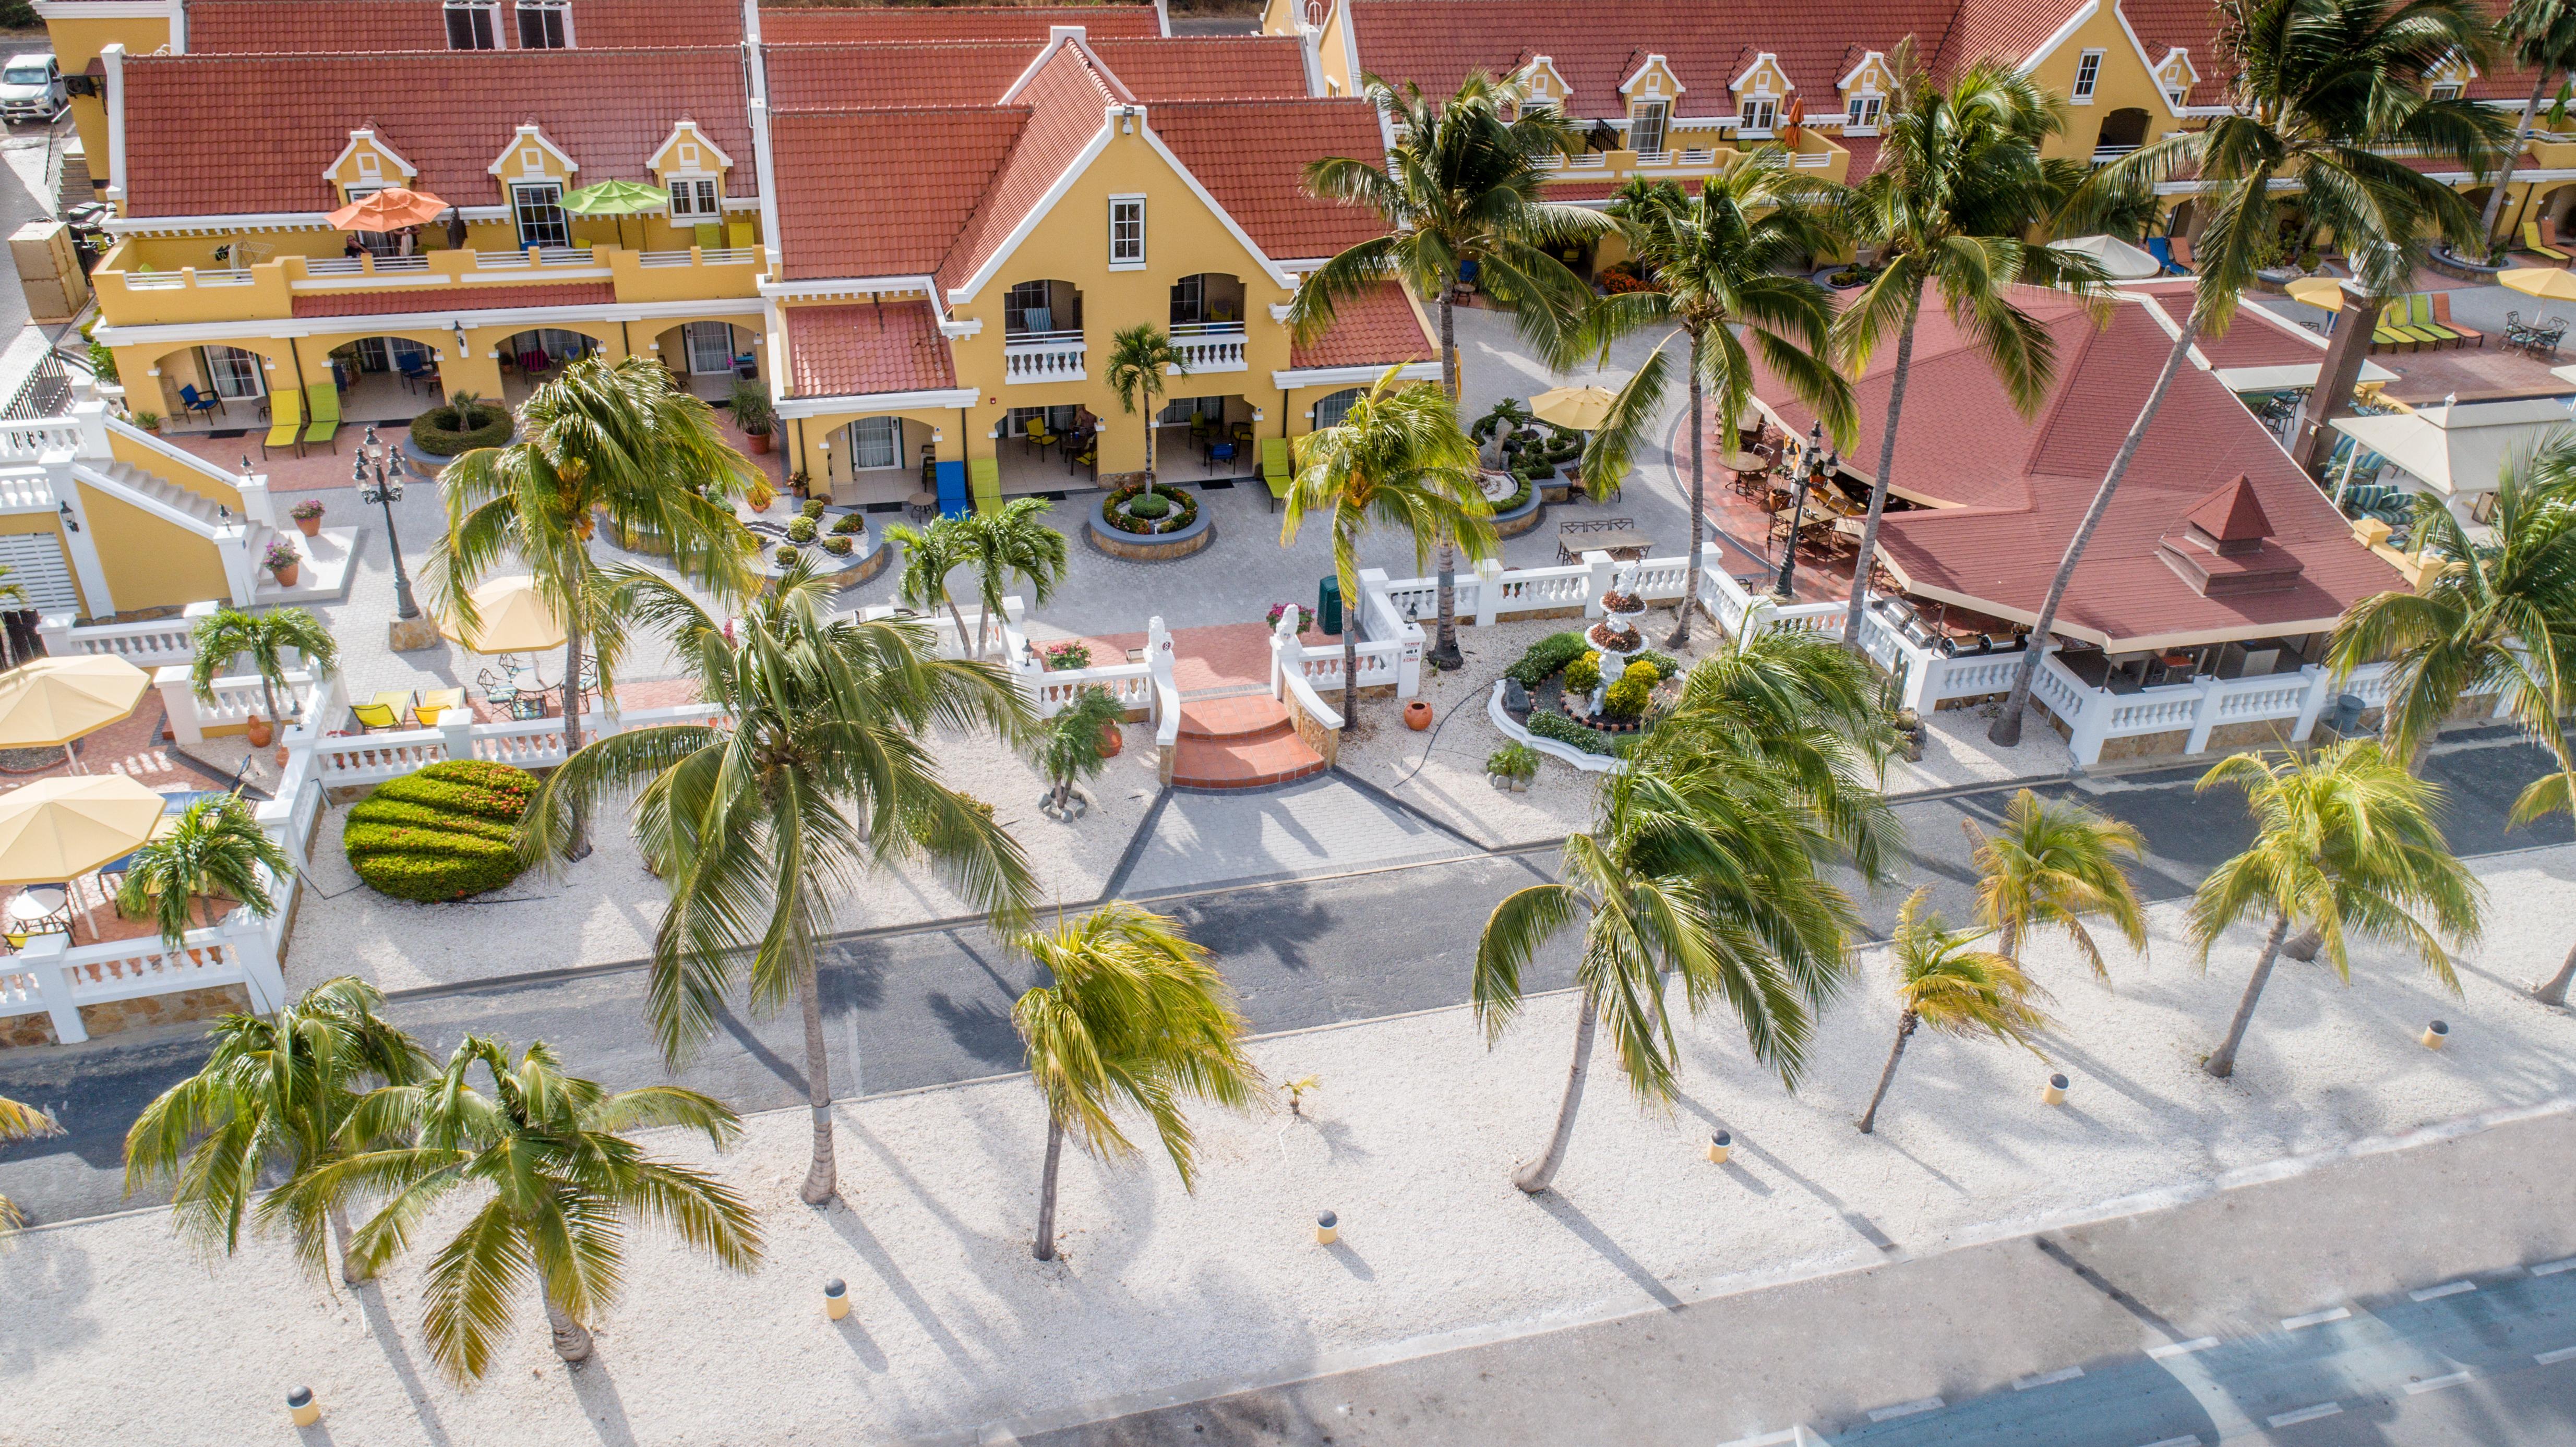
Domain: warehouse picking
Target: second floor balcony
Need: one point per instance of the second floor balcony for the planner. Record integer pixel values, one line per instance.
(132, 292)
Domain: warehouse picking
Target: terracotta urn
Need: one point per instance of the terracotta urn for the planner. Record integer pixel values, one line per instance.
(1112, 739)
(288, 576)
(260, 731)
(1417, 715)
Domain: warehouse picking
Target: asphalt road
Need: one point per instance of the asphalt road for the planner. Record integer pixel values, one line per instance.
(931, 1006)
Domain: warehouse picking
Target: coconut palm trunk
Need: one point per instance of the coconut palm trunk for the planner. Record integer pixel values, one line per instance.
(1904, 1031)
(2504, 172)
(1444, 646)
(1861, 564)
(571, 1338)
(2006, 731)
(2553, 991)
(1538, 1173)
(1350, 667)
(350, 1270)
(2223, 1063)
(821, 1178)
(580, 847)
(1680, 637)
(1045, 1247)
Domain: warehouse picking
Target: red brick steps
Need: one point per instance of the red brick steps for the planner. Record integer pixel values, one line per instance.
(1240, 743)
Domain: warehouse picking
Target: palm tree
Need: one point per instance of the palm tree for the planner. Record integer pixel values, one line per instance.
(1397, 459)
(1012, 541)
(1702, 863)
(216, 850)
(1458, 194)
(19, 1122)
(2321, 87)
(15, 595)
(603, 440)
(2345, 843)
(930, 554)
(2053, 865)
(1944, 981)
(2542, 34)
(1139, 358)
(1959, 183)
(1136, 1016)
(559, 1185)
(1068, 752)
(227, 633)
(274, 1100)
(762, 830)
(1719, 260)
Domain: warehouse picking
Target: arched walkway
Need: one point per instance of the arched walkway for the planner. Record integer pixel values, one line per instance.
(707, 357)
(531, 357)
(207, 388)
(382, 378)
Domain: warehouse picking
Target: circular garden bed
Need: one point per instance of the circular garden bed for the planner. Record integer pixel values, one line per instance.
(1167, 524)
(1558, 676)
(442, 833)
(435, 437)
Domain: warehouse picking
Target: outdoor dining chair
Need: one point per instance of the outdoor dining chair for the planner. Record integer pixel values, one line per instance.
(197, 401)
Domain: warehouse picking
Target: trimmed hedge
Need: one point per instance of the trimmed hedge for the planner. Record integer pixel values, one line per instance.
(440, 433)
(442, 833)
(1545, 657)
(1549, 724)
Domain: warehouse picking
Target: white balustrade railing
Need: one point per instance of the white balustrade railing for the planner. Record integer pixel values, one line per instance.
(29, 440)
(1043, 357)
(1052, 690)
(1811, 160)
(1210, 346)
(700, 256)
(161, 642)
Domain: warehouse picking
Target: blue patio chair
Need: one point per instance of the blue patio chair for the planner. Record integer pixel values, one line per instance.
(952, 489)
(197, 401)
(415, 367)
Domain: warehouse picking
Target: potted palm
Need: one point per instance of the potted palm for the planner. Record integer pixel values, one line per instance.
(214, 852)
(229, 633)
(308, 517)
(753, 414)
(1078, 742)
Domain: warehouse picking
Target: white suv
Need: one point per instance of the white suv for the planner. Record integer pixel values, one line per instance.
(32, 89)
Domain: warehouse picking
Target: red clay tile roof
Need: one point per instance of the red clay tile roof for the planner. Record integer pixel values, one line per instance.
(2008, 28)
(1252, 155)
(1067, 105)
(2020, 486)
(1373, 330)
(2193, 25)
(842, 351)
(450, 113)
(1208, 67)
(838, 23)
(976, 73)
(883, 193)
(316, 27)
(453, 299)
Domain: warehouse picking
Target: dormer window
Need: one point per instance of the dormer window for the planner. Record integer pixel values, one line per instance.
(544, 25)
(695, 201)
(1760, 113)
(2088, 74)
(1863, 115)
(2175, 97)
(537, 208)
(1646, 127)
(470, 26)
(2448, 90)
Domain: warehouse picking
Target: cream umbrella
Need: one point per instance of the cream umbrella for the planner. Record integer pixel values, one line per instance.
(2545, 282)
(2318, 291)
(1579, 409)
(52, 701)
(515, 618)
(56, 830)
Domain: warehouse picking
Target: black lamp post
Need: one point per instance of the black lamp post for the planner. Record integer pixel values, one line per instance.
(384, 488)
(1811, 474)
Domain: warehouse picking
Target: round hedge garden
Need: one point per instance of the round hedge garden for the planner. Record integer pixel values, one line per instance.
(442, 833)
(440, 432)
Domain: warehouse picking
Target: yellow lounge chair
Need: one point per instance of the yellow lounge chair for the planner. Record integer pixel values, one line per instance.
(322, 405)
(436, 701)
(1275, 470)
(285, 423)
(984, 480)
(374, 716)
(2532, 243)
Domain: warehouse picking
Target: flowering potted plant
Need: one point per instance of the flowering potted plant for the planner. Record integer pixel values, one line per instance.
(284, 561)
(1305, 615)
(1068, 654)
(308, 517)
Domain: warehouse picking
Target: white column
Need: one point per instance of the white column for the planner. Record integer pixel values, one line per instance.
(256, 503)
(180, 700)
(247, 940)
(2321, 691)
(456, 732)
(55, 629)
(78, 541)
(1489, 591)
(113, 58)
(1601, 565)
(43, 958)
(2204, 715)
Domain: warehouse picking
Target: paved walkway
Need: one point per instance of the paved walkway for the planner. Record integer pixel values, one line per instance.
(1326, 826)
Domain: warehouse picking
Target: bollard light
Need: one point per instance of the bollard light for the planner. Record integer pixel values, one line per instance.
(1719, 1144)
(836, 1299)
(2055, 1094)
(1327, 1229)
(301, 1406)
(2436, 1033)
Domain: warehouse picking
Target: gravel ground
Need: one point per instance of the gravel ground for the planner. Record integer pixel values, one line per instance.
(604, 909)
(1409, 1138)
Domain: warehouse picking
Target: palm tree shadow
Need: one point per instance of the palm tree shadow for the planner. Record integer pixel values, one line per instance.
(753, 1046)
(980, 1028)
(380, 1325)
(879, 1260)
(1571, 1217)
(600, 1402)
(1867, 1229)
(854, 1335)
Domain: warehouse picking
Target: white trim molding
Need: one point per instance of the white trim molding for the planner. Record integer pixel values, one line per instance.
(1352, 376)
(798, 407)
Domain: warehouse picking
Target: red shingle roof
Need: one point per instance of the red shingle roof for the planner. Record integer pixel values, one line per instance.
(842, 351)
(2193, 25)
(2008, 28)
(835, 23)
(1067, 105)
(976, 73)
(2018, 487)
(1252, 155)
(1373, 330)
(453, 299)
(1208, 67)
(883, 193)
(2233, 514)
(449, 113)
(315, 27)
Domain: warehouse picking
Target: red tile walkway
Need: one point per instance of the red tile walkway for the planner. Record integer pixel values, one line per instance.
(1222, 655)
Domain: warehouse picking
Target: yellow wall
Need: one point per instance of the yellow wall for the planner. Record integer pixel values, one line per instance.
(150, 563)
(2122, 82)
(808, 455)
(188, 479)
(76, 44)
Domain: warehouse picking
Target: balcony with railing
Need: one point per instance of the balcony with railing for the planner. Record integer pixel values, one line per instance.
(130, 295)
(1053, 356)
(1210, 346)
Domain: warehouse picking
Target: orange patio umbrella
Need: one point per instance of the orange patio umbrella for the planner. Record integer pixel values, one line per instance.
(391, 209)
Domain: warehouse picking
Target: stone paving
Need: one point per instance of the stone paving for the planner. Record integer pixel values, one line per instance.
(1323, 827)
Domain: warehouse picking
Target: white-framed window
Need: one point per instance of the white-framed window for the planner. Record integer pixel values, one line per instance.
(1758, 115)
(1646, 126)
(537, 206)
(544, 25)
(2175, 96)
(2447, 90)
(2088, 74)
(709, 346)
(1863, 114)
(1126, 231)
(1330, 411)
(233, 372)
(1179, 411)
(876, 442)
(695, 201)
(470, 25)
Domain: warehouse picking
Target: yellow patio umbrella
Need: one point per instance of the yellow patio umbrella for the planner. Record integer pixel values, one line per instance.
(515, 618)
(52, 701)
(2318, 291)
(59, 828)
(2545, 282)
(1580, 409)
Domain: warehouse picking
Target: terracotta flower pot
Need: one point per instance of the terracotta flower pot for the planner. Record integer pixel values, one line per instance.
(1417, 715)
(759, 442)
(1112, 739)
(280, 756)
(311, 527)
(289, 575)
(260, 731)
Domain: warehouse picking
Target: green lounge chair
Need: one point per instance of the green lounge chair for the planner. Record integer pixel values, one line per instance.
(1274, 469)
(322, 402)
(285, 423)
(2419, 317)
(984, 480)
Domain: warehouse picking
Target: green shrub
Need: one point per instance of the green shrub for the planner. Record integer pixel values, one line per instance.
(1627, 698)
(813, 508)
(1513, 761)
(1584, 674)
(800, 529)
(441, 432)
(1551, 725)
(1664, 664)
(837, 547)
(442, 833)
(786, 554)
(1150, 507)
(751, 410)
(1545, 657)
(847, 523)
(1641, 669)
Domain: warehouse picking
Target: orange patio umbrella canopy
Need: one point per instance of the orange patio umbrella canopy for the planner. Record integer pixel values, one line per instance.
(391, 209)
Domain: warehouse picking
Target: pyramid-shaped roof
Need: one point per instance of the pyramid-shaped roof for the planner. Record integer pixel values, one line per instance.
(2232, 514)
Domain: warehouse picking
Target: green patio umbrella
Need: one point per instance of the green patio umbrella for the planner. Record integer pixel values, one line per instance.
(620, 199)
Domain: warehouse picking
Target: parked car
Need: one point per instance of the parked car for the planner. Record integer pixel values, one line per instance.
(32, 88)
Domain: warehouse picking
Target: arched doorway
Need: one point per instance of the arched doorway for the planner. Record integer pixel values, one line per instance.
(2123, 131)
(531, 357)
(1332, 408)
(384, 379)
(205, 389)
(707, 357)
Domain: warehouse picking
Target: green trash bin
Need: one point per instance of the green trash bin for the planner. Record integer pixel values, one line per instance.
(1328, 605)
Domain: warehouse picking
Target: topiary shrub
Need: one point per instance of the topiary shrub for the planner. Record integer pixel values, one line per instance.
(1583, 674)
(1550, 725)
(800, 529)
(441, 432)
(1627, 698)
(1546, 656)
(1664, 664)
(442, 833)
(1156, 506)
(837, 547)
(847, 523)
(813, 507)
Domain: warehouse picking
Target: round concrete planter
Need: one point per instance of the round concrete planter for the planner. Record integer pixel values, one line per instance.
(1525, 517)
(1154, 547)
(427, 465)
(2460, 268)
(843, 573)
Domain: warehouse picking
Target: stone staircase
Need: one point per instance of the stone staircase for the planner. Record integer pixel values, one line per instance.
(168, 494)
(1241, 743)
(71, 184)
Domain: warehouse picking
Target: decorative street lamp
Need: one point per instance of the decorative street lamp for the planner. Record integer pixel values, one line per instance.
(1812, 468)
(384, 488)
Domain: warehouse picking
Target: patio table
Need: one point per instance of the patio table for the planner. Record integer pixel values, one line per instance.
(920, 506)
(1616, 536)
(31, 908)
